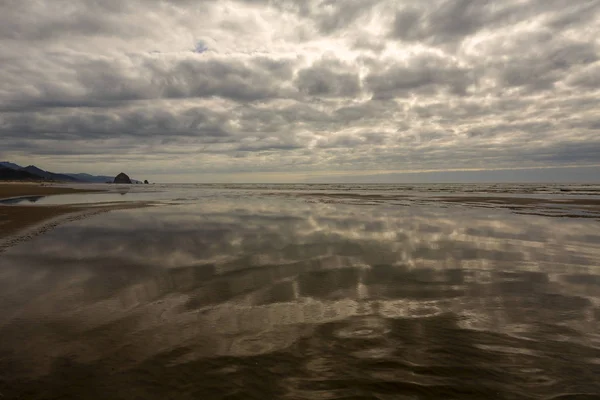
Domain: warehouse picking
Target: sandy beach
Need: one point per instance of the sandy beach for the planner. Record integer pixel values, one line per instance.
(19, 223)
(16, 218)
(8, 190)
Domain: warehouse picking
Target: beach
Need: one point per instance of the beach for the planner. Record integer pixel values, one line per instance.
(300, 200)
(16, 218)
(22, 222)
(8, 190)
(577, 202)
(240, 291)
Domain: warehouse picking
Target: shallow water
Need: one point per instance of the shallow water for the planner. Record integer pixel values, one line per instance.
(264, 297)
(560, 200)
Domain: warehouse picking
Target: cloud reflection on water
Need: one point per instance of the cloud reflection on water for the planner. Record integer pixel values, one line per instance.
(326, 297)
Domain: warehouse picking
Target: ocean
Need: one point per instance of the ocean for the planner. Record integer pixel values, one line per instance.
(269, 291)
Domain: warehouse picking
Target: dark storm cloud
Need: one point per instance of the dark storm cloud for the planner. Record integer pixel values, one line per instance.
(444, 21)
(237, 81)
(451, 21)
(511, 128)
(24, 20)
(317, 85)
(98, 82)
(141, 122)
(545, 60)
(588, 77)
(323, 80)
(365, 111)
(569, 152)
(338, 15)
(328, 16)
(352, 141)
(427, 72)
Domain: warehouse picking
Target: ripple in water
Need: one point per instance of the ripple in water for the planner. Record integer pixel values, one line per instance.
(243, 298)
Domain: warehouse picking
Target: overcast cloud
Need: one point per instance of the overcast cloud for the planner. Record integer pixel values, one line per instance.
(286, 90)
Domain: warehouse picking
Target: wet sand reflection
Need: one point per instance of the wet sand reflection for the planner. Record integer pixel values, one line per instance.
(295, 300)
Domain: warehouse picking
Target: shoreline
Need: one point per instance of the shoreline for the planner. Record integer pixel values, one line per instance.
(10, 190)
(19, 223)
(54, 216)
(554, 206)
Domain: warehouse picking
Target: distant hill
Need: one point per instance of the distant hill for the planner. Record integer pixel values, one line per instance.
(92, 178)
(10, 174)
(34, 173)
(10, 165)
(51, 176)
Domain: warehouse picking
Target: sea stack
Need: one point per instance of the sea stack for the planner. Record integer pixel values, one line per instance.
(122, 178)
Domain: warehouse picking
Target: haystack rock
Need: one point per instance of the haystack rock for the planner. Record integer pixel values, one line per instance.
(122, 178)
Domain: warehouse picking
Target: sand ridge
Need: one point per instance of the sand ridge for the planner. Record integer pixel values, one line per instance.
(19, 223)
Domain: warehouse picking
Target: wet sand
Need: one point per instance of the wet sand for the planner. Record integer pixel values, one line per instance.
(279, 298)
(19, 223)
(520, 200)
(8, 190)
(570, 207)
(555, 206)
(16, 218)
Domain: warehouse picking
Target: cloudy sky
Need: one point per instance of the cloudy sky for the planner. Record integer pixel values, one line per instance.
(288, 90)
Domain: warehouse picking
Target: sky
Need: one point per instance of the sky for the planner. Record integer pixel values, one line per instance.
(295, 91)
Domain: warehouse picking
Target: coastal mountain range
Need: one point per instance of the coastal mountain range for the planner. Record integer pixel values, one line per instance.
(13, 172)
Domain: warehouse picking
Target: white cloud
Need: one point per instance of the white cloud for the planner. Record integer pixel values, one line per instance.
(285, 88)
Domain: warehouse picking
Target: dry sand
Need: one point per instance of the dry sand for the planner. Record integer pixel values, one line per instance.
(15, 218)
